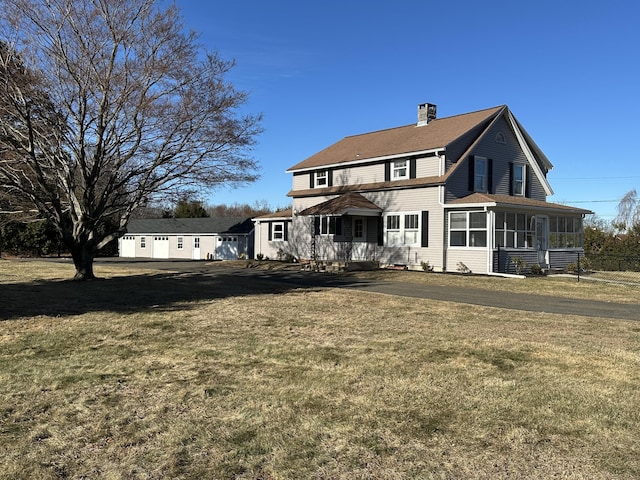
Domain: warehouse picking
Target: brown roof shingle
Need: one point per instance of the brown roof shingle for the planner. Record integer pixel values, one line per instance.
(397, 141)
(341, 204)
(517, 201)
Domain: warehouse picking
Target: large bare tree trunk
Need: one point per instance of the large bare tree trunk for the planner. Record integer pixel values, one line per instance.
(83, 261)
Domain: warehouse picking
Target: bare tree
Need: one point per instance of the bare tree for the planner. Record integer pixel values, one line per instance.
(108, 105)
(628, 211)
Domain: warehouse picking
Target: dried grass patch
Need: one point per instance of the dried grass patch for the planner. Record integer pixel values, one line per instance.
(319, 384)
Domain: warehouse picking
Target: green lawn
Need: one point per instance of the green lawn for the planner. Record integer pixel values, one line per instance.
(220, 380)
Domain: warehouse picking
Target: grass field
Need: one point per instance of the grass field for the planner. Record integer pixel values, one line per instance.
(150, 375)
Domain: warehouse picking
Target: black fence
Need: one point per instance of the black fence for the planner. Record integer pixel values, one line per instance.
(607, 267)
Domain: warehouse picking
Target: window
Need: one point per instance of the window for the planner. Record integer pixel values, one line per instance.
(411, 229)
(196, 242)
(402, 229)
(480, 179)
(500, 138)
(328, 225)
(278, 232)
(518, 179)
(180, 243)
(358, 229)
(458, 229)
(143, 242)
(321, 178)
(393, 230)
(399, 170)
(468, 229)
(565, 232)
(514, 230)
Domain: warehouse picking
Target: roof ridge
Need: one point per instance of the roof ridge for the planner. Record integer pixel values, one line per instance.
(497, 107)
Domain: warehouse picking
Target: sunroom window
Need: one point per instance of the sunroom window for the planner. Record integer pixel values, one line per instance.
(468, 229)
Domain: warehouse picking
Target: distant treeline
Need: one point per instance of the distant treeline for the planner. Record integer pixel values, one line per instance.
(40, 238)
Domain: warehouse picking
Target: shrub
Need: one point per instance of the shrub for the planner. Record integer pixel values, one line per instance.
(519, 264)
(426, 267)
(536, 269)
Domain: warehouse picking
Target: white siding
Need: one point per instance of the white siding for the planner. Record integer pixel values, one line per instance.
(476, 259)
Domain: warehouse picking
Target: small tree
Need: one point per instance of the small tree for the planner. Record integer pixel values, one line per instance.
(628, 211)
(190, 209)
(107, 105)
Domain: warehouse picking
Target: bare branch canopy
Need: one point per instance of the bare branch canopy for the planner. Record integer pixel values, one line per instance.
(107, 105)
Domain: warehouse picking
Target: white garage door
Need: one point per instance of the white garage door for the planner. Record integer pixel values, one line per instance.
(160, 247)
(227, 248)
(128, 246)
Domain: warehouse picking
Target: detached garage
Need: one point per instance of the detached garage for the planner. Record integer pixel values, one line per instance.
(188, 238)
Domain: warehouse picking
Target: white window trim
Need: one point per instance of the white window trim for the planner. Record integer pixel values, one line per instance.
(325, 229)
(322, 178)
(402, 230)
(397, 166)
(180, 243)
(143, 242)
(523, 181)
(468, 231)
(277, 236)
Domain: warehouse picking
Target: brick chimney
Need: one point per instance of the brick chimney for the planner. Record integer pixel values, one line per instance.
(426, 113)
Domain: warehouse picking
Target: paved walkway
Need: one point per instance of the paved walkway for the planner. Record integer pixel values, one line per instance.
(500, 299)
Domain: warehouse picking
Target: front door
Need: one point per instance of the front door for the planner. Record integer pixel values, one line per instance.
(542, 238)
(359, 242)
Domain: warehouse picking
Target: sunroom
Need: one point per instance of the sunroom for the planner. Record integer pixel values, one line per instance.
(513, 235)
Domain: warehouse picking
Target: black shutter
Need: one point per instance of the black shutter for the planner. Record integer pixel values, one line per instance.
(510, 178)
(316, 225)
(380, 231)
(489, 175)
(330, 178)
(270, 231)
(387, 171)
(412, 168)
(312, 180)
(472, 170)
(425, 229)
(529, 179)
(339, 226)
(286, 231)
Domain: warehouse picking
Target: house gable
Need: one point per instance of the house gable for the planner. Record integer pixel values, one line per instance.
(504, 144)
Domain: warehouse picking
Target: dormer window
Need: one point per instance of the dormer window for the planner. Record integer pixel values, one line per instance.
(400, 169)
(321, 178)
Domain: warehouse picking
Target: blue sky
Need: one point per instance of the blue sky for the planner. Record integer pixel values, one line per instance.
(319, 71)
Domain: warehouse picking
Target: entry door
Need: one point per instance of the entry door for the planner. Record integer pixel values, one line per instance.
(359, 235)
(542, 238)
(196, 248)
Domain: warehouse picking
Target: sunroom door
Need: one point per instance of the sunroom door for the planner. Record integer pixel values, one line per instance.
(542, 238)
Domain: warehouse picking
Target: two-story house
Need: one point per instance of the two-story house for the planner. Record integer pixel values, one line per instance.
(462, 193)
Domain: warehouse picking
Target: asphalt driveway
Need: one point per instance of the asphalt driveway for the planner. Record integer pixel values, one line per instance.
(500, 299)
